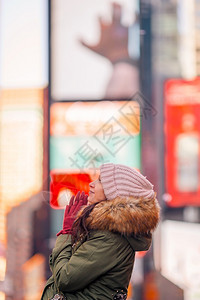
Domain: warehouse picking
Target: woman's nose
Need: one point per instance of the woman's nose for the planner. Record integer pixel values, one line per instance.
(91, 184)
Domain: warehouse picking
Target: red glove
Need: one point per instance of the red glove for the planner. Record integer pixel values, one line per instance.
(71, 211)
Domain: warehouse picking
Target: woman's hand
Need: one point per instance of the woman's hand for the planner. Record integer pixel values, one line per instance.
(71, 211)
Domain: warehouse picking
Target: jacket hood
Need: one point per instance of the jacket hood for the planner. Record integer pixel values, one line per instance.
(128, 216)
(139, 243)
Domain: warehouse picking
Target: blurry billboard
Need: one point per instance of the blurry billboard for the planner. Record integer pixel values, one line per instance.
(182, 141)
(94, 49)
(21, 154)
(85, 135)
(23, 44)
(180, 262)
(66, 183)
(21, 151)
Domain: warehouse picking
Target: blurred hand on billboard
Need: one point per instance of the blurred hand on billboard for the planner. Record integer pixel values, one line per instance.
(113, 43)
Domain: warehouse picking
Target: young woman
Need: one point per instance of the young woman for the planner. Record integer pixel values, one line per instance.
(94, 253)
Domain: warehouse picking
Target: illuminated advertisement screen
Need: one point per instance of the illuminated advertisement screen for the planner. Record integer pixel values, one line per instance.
(21, 151)
(180, 263)
(182, 142)
(94, 49)
(85, 135)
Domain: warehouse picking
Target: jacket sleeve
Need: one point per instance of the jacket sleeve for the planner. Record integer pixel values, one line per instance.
(92, 259)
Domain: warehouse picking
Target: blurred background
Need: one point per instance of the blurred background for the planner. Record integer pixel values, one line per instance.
(88, 82)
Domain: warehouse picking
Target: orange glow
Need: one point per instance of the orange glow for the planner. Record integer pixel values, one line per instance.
(34, 277)
(2, 296)
(76, 118)
(2, 268)
(130, 292)
(21, 97)
(141, 254)
(21, 131)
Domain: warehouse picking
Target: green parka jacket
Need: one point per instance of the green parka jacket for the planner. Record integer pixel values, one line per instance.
(101, 266)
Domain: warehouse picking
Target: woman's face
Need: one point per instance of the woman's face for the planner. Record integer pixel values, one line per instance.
(96, 192)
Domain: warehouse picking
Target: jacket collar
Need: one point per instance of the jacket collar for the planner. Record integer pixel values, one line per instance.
(125, 215)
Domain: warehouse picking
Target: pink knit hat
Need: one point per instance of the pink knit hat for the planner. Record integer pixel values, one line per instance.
(120, 180)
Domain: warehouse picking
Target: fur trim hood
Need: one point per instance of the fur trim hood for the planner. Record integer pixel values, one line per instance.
(125, 215)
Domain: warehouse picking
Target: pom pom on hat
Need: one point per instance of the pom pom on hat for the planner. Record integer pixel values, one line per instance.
(120, 180)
